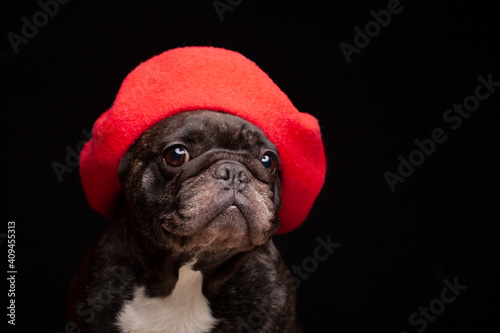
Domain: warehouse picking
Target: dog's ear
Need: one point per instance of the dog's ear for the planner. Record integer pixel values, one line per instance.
(124, 167)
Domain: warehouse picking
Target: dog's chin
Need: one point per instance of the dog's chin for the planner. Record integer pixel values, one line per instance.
(229, 229)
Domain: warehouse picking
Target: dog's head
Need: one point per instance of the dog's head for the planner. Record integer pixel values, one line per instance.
(203, 181)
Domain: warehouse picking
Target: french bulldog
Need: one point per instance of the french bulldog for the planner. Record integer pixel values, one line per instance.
(191, 250)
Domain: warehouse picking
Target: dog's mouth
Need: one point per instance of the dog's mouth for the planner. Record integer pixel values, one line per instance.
(231, 218)
(233, 210)
(234, 222)
(228, 221)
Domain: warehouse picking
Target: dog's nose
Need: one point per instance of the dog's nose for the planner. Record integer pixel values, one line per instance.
(234, 175)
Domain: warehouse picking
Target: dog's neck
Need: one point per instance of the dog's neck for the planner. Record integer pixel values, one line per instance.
(157, 267)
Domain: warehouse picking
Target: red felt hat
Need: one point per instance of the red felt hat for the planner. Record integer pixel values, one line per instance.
(205, 78)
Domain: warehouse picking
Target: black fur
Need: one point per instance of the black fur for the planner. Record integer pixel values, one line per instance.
(170, 215)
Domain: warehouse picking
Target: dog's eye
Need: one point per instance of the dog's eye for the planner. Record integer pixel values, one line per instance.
(269, 162)
(176, 156)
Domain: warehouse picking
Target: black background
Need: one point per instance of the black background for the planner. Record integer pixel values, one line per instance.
(396, 248)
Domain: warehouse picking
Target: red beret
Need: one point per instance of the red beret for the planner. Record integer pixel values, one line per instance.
(205, 78)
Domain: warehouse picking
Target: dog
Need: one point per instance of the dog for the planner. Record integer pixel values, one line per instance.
(191, 248)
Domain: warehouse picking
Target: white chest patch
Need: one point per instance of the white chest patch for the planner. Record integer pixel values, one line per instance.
(185, 310)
